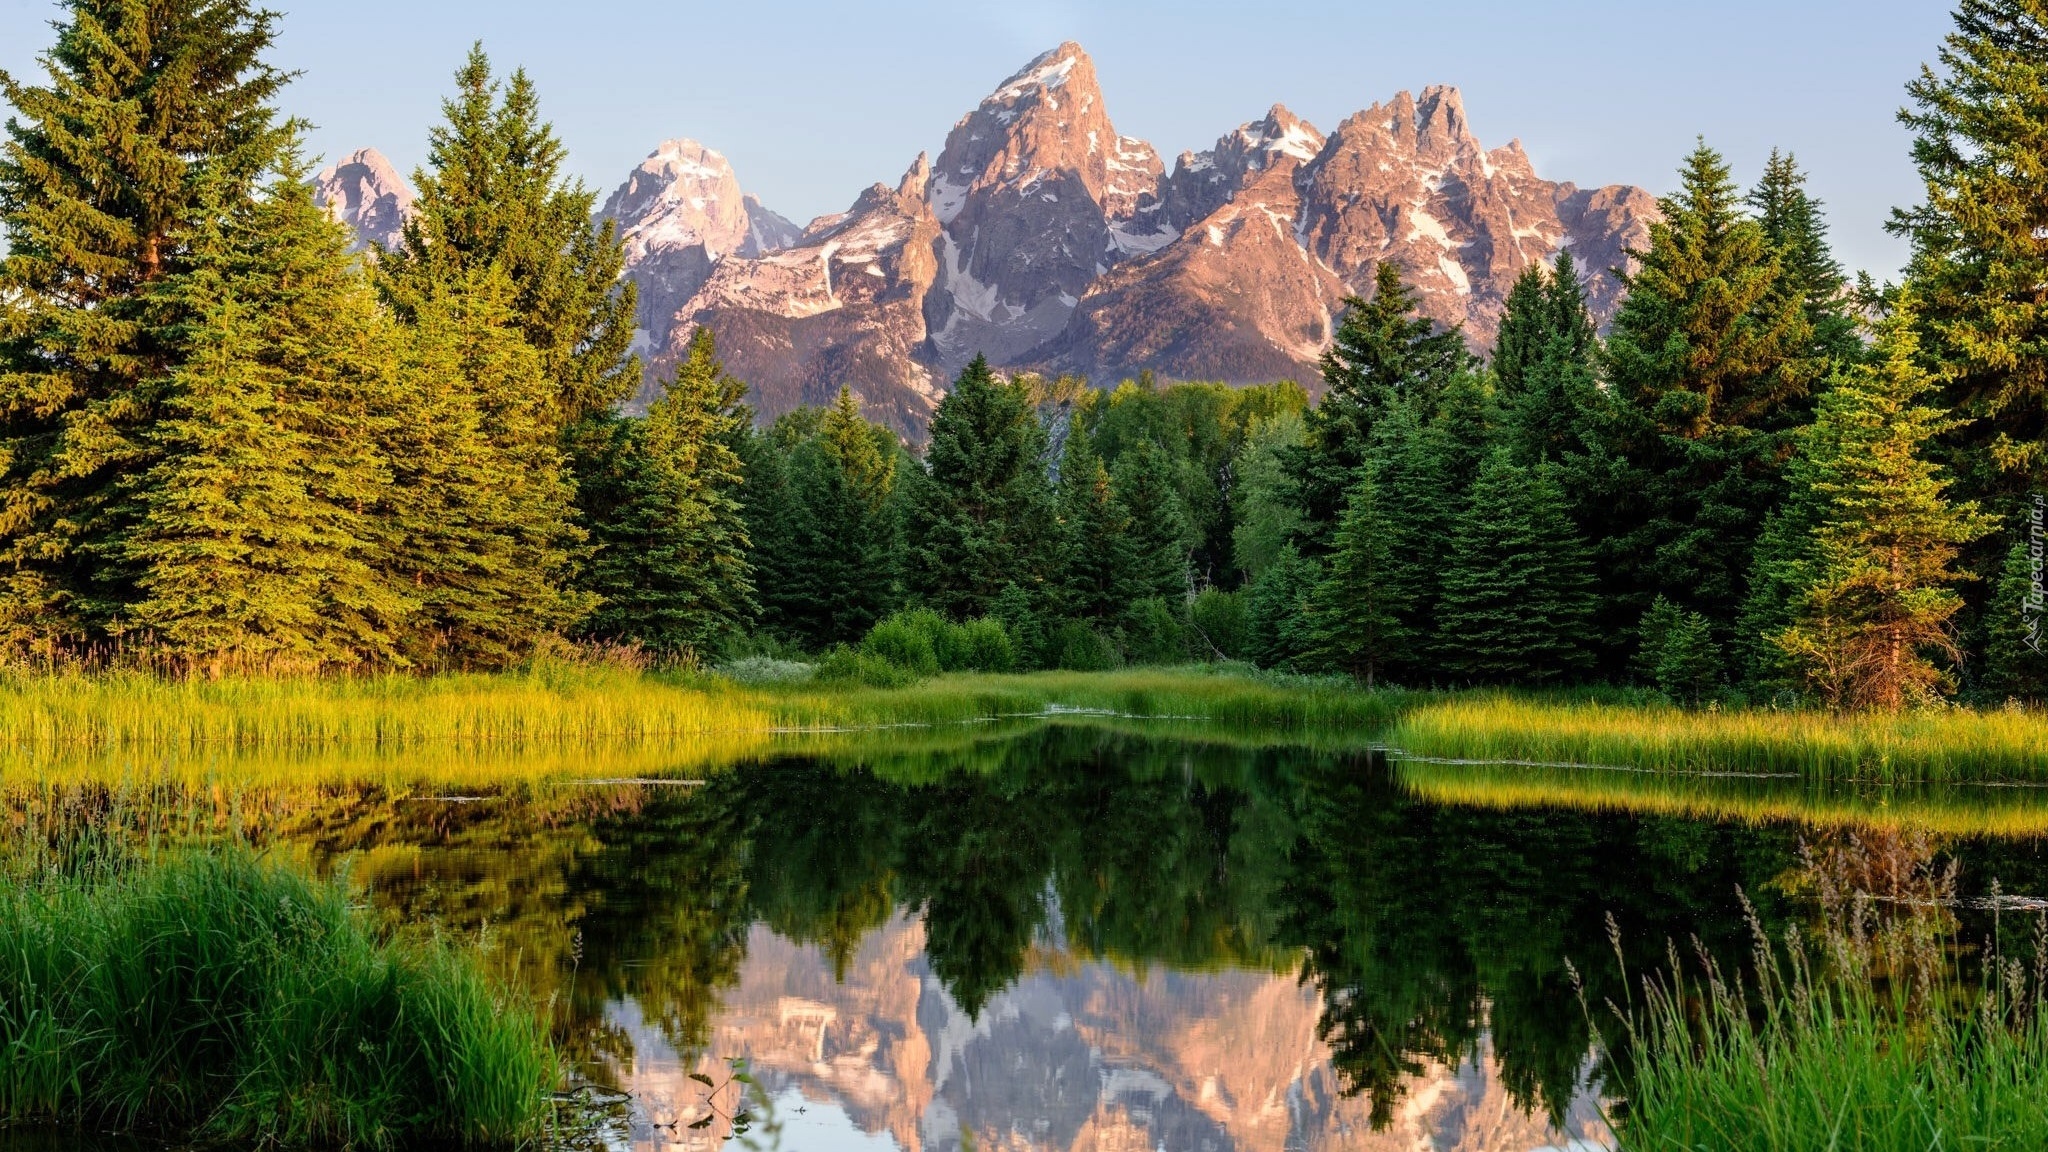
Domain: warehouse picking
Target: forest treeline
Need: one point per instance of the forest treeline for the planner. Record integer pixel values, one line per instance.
(229, 444)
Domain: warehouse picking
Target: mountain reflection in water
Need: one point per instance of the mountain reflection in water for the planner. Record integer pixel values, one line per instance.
(1074, 937)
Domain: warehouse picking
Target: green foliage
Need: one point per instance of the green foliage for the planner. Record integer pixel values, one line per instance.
(215, 995)
(982, 517)
(1879, 608)
(1689, 662)
(1158, 534)
(1221, 624)
(154, 117)
(1278, 609)
(908, 640)
(1267, 515)
(1541, 308)
(1076, 647)
(2015, 662)
(1154, 633)
(1358, 608)
(1798, 233)
(848, 665)
(1096, 542)
(1024, 623)
(1517, 601)
(1978, 257)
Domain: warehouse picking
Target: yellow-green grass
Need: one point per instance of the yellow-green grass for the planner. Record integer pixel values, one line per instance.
(1944, 745)
(2017, 811)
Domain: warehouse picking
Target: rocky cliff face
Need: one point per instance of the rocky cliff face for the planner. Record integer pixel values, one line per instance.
(679, 213)
(367, 194)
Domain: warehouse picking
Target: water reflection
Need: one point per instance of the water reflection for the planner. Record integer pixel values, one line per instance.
(1073, 937)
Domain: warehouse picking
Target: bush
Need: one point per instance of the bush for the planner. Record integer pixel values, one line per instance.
(906, 640)
(1153, 634)
(1078, 648)
(216, 995)
(846, 665)
(1021, 619)
(1221, 617)
(986, 646)
(766, 670)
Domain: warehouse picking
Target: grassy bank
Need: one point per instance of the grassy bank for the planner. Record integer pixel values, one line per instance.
(1949, 745)
(215, 996)
(1858, 1035)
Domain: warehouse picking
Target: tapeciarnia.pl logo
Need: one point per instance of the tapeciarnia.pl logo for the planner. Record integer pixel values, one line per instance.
(2037, 544)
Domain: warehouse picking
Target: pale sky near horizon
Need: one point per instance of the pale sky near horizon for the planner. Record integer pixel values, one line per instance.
(813, 100)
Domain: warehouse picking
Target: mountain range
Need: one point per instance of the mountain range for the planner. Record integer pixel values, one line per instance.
(1046, 240)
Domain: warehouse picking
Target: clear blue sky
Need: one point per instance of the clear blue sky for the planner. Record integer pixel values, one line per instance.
(815, 99)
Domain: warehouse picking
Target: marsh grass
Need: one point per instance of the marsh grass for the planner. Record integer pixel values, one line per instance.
(1859, 1035)
(1943, 745)
(215, 995)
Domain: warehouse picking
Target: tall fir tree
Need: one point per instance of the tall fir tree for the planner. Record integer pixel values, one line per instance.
(1708, 371)
(1542, 308)
(1793, 223)
(981, 517)
(1359, 607)
(1384, 351)
(1159, 534)
(1518, 602)
(1980, 243)
(1415, 494)
(480, 525)
(253, 541)
(1877, 612)
(493, 195)
(1098, 577)
(1280, 611)
(843, 552)
(150, 107)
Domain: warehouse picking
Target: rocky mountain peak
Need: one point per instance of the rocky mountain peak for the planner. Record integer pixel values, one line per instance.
(366, 193)
(915, 179)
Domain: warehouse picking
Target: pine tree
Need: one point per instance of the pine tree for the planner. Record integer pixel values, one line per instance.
(1517, 603)
(671, 554)
(1880, 606)
(981, 518)
(1792, 222)
(1415, 494)
(2016, 649)
(1159, 533)
(493, 195)
(252, 542)
(1279, 610)
(1360, 604)
(1100, 580)
(480, 526)
(1383, 352)
(150, 108)
(775, 525)
(1980, 241)
(1541, 309)
(843, 561)
(1689, 661)
(1548, 394)
(1708, 367)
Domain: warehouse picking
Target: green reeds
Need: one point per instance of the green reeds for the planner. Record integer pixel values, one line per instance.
(1945, 745)
(1860, 1037)
(215, 995)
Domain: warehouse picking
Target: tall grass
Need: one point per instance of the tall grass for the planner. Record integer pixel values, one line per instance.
(1917, 746)
(1860, 1037)
(215, 995)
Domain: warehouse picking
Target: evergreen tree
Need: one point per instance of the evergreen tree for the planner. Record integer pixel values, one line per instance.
(1360, 603)
(1279, 610)
(775, 524)
(1415, 495)
(1541, 308)
(842, 482)
(2016, 649)
(981, 518)
(1792, 222)
(671, 555)
(1383, 351)
(252, 541)
(480, 523)
(1980, 241)
(1159, 544)
(1708, 368)
(493, 195)
(1265, 512)
(1100, 580)
(1880, 605)
(1546, 374)
(1689, 661)
(1517, 603)
(150, 109)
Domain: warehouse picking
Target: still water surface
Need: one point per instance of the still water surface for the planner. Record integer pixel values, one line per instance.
(1077, 937)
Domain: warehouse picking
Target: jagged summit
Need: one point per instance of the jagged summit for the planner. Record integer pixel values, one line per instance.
(366, 193)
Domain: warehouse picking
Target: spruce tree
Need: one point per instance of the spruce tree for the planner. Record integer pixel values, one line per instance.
(1416, 496)
(1159, 543)
(2016, 644)
(253, 540)
(1689, 661)
(1279, 611)
(480, 526)
(1100, 580)
(1383, 352)
(775, 526)
(1360, 604)
(493, 195)
(1878, 611)
(1517, 603)
(981, 518)
(1793, 223)
(149, 109)
(1541, 309)
(843, 563)
(1708, 371)
(1980, 242)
